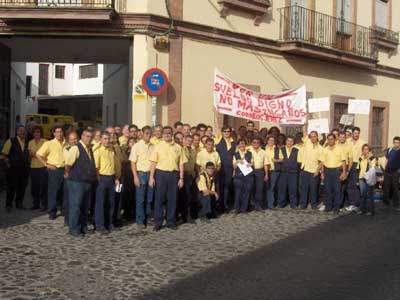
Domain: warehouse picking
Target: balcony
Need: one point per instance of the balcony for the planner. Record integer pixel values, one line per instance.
(255, 8)
(68, 10)
(385, 38)
(311, 33)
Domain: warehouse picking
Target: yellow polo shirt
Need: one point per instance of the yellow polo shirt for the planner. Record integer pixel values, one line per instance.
(333, 157)
(203, 157)
(269, 157)
(356, 147)
(123, 140)
(73, 154)
(348, 151)
(191, 157)
(258, 157)
(168, 156)
(140, 154)
(95, 146)
(34, 147)
(53, 152)
(310, 156)
(7, 146)
(106, 162)
(362, 166)
(155, 141)
(205, 183)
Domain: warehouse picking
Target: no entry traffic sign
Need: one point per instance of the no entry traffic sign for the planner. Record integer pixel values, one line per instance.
(155, 82)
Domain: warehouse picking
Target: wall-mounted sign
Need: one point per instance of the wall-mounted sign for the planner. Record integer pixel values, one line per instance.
(155, 82)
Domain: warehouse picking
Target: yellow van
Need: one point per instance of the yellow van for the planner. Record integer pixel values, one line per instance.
(48, 121)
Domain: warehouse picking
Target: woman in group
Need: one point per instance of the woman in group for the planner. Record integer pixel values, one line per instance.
(367, 162)
(242, 183)
(38, 171)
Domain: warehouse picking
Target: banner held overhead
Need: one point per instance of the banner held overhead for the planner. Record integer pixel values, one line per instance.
(286, 108)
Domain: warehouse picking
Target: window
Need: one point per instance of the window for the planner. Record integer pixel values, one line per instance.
(339, 110)
(60, 72)
(28, 86)
(381, 13)
(301, 3)
(88, 71)
(377, 134)
(43, 79)
(343, 15)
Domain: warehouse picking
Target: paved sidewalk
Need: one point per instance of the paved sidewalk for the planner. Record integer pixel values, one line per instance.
(38, 260)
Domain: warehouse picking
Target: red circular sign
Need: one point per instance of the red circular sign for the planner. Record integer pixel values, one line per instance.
(155, 82)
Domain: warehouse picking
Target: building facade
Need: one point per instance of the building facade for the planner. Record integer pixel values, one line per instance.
(343, 49)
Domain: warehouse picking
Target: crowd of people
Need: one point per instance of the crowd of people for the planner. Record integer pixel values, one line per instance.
(164, 176)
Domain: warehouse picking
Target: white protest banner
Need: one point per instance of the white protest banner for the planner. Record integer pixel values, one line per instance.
(232, 99)
(360, 107)
(346, 120)
(318, 125)
(318, 105)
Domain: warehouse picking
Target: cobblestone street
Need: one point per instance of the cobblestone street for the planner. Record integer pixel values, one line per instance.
(39, 260)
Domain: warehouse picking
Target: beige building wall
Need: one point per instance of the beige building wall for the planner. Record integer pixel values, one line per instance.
(273, 73)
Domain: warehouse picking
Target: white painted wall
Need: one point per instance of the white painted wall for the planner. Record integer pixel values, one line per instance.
(87, 86)
(20, 104)
(116, 94)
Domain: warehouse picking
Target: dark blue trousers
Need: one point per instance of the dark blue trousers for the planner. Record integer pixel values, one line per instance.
(332, 189)
(225, 185)
(79, 199)
(55, 184)
(367, 197)
(106, 185)
(352, 189)
(243, 186)
(205, 202)
(273, 180)
(258, 190)
(39, 186)
(287, 183)
(308, 189)
(166, 192)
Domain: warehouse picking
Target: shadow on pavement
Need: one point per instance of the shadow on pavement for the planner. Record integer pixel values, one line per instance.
(353, 257)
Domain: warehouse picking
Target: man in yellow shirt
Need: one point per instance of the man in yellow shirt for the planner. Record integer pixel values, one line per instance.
(166, 173)
(81, 174)
(310, 157)
(15, 151)
(334, 171)
(134, 132)
(157, 135)
(290, 159)
(108, 172)
(353, 192)
(140, 165)
(123, 139)
(273, 173)
(38, 171)
(208, 154)
(207, 194)
(51, 155)
(186, 200)
(348, 152)
(260, 172)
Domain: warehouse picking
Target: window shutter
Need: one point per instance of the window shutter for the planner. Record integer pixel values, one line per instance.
(301, 3)
(346, 10)
(381, 10)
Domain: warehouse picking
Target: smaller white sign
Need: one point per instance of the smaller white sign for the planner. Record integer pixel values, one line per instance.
(244, 168)
(359, 107)
(318, 105)
(346, 120)
(318, 125)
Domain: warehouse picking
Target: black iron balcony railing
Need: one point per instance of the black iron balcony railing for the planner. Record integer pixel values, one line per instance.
(59, 3)
(308, 26)
(386, 34)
